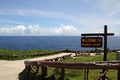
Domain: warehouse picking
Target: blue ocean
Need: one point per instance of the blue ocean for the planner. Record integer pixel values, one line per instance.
(50, 42)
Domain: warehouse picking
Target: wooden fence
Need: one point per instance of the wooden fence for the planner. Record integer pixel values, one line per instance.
(44, 64)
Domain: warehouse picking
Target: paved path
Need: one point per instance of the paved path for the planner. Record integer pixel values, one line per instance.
(9, 70)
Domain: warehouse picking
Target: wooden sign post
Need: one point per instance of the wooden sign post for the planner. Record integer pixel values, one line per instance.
(97, 44)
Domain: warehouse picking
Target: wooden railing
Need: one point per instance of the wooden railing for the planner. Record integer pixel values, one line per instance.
(44, 64)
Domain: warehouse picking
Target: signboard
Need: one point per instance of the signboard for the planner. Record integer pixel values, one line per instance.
(91, 41)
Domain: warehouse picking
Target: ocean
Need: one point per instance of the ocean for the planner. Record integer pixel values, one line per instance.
(50, 42)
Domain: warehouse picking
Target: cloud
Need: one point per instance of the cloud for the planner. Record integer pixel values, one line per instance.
(88, 23)
(40, 13)
(111, 7)
(37, 30)
(12, 22)
(12, 30)
(66, 30)
(33, 12)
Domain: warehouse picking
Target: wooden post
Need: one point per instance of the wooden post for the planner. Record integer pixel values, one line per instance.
(37, 69)
(105, 48)
(118, 75)
(105, 43)
(43, 72)
(86, 74)
(28, 68)
(62, 73)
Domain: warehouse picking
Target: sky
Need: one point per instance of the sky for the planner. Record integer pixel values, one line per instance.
(58, 17)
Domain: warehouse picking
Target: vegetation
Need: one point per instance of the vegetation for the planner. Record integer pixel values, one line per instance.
(73, 74)
(88, 58)
(79, 74)
(6, 54)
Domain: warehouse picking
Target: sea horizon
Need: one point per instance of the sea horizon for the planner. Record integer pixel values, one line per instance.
(50, 42)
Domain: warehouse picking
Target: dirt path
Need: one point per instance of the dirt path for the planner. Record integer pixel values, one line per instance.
(9, 70)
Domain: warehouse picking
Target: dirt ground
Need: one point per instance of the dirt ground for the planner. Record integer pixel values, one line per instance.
(9, 70)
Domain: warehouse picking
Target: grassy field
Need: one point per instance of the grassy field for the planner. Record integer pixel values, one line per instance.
(20, 52)
(75, 74)
(88, 58)
(6, 54)
(79, 74)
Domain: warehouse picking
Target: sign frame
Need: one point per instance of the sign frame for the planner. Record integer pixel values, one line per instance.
(91, 42)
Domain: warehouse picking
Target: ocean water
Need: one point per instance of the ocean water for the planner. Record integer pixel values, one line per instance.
(50, 42)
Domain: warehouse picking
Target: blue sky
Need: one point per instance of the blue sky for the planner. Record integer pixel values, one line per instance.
(58, 17)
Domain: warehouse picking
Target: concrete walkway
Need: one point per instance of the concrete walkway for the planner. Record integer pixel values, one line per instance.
(9, 70)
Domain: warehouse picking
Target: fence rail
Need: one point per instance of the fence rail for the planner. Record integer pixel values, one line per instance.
(44, 64)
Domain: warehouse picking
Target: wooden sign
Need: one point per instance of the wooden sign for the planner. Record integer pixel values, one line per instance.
(97, 42)
(91, 41)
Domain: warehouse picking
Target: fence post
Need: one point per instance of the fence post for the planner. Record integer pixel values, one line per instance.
(28, 68)
(86, 74)
(43, 72)
(118, 74)
(62, 73)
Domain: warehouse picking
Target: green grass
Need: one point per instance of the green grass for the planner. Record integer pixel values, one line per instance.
(20, 52)
(79, 74)
(88, 58)
(76, 74)
(6, 54)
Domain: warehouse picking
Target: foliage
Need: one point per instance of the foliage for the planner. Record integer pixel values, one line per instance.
(6, 54)
(19, 52)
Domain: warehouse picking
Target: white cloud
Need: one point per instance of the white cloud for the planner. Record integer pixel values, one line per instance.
(32, 30)
(34, 12)
(66, 30)
(37, 30)
(87, 23)
(11, 22)
(39, 13)
(111, 7)
(12, 30)
(117, 22)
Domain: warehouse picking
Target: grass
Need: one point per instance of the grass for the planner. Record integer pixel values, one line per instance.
(75, 74)
(88, 58)
(6, 54)
(79, 74)
(20, 52)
